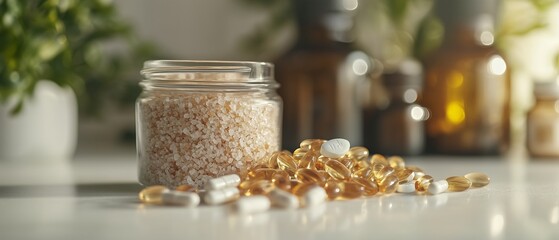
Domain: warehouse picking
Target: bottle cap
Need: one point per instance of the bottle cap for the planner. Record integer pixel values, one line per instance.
(547, 89)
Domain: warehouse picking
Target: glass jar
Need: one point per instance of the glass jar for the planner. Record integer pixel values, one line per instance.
(197, 120)
(543, 121)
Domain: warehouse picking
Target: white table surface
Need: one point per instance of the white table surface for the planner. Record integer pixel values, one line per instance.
(94, 197)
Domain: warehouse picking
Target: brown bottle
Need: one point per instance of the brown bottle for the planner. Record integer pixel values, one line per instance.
(394, 123)
(320, 74)
(467, 83)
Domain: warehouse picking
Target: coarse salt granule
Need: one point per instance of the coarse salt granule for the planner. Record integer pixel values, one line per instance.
(224, 133)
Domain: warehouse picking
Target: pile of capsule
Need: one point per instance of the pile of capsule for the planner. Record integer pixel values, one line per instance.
(318, 171)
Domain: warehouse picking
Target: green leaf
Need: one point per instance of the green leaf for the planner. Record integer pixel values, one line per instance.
(397, 10)
(51, 47)
(428, 37)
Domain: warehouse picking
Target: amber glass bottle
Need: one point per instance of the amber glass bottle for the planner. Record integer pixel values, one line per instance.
(394, 125)
(467, 83)
(320, 75)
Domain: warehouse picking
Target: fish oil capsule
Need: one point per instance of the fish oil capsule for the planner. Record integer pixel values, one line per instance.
(281, 180)
(231, 180)
(458, 184)
(371, 187)
(335, 148)
(389, 184)
(321, 161)
(315, 195)
(186, 188)
(381, 173)
(358, 153)
(309, 160)
(324, 174)
(366, 173)
(396, 162)
(259, 187)
(380, 159)
(422, 183)
(294, 183)
(220, 196)
(286, 163)
(187, 199)
(253, 204)
(244, 186)
(152, 194)
(405, 174)
(351, 190)
(299, 153)
(333, 189)
(348, 162)
(478, 179)
(302, 188)
(406, 187)
(309, 175)
(337, 170)
(438, 187)
(283, 199)
(261, 174)
(361, 164)
(311, 144)
(273, 160)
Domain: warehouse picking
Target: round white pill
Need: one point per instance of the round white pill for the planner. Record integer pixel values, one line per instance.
(438, 187)
(231, 180)
(253, 204)
(314, 196)
(221, 195)
(283, 199)
(187, 199)
(406, 187)
(335, 148)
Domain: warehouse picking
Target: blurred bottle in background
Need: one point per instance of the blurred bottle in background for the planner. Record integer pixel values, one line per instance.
(467, 85)
(543, 121)
(394, 121)
(321, 74)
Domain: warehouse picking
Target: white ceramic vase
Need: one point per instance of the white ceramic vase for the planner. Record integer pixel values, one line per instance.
(45, 130)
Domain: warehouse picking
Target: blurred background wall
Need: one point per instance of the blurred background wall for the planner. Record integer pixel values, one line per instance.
(527, 35)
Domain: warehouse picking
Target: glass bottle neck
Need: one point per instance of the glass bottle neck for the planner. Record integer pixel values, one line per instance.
(465, 35)
(468, 22)
(323, 22)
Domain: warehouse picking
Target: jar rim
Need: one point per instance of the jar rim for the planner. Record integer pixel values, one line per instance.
(199, 73)
(258, 70)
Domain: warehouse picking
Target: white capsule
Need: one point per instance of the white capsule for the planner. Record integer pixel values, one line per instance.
(231, 180)
(283, 199)
(314, 196)
(437, 187)
(335, 148)
(187, 199)
(220, 196)
(410, 178)
(253, 204)
(406, 187)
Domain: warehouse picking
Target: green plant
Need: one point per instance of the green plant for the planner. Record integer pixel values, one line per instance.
(63, 41)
